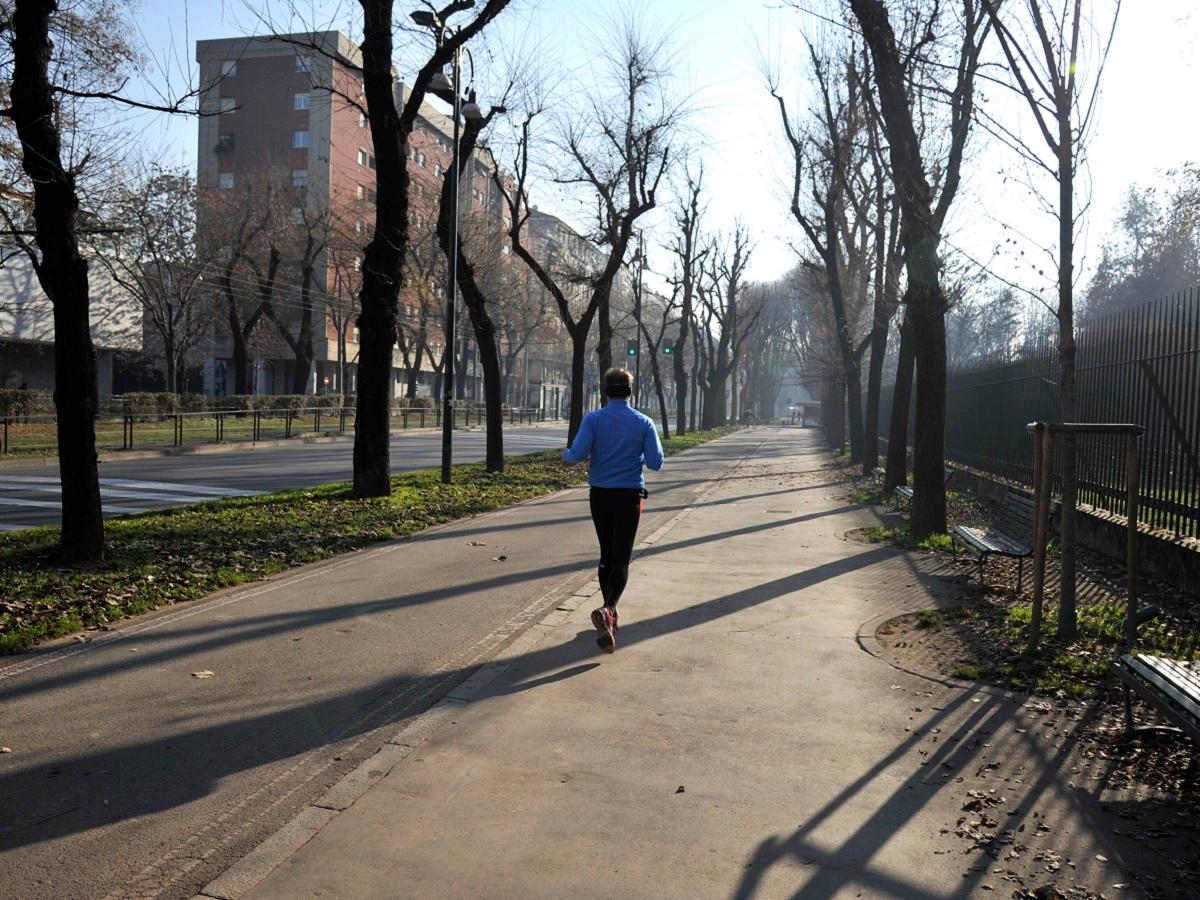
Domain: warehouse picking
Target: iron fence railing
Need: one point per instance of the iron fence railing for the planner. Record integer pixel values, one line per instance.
(29, 435)
(1140, 366)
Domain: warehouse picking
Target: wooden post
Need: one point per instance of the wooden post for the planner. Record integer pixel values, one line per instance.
(1131, 531)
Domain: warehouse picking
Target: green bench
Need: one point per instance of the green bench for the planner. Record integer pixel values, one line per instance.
(1009, 535)
(1172, 686)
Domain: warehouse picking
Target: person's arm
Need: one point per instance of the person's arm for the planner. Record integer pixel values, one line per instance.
(581, 447)
(652, 451)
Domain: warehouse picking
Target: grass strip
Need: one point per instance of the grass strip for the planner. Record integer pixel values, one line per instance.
(174, 555)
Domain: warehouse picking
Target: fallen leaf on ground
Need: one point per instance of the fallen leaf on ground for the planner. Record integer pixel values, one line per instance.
(204, 674)
(679, 790)
(499, 558)
(477, 543)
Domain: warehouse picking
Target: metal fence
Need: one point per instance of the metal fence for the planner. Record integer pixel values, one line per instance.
(1140, 366)
(30, 435)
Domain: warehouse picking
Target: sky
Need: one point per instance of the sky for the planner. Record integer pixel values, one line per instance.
(1146, 127)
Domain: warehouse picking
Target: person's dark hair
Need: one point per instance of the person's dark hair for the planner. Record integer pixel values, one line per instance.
(618, 383)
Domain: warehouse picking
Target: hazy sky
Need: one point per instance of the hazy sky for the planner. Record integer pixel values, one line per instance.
(1148, 123)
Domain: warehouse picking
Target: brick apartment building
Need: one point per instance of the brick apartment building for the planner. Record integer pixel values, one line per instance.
(287, 127)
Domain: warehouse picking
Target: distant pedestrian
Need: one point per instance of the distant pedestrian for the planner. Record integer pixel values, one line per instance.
(619, 440)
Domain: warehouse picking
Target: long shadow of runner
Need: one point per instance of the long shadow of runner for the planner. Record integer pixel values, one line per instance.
(65, 798)
(221, 634)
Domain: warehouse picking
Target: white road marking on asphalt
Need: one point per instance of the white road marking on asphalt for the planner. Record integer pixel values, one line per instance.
(20, 481)
(122, 495)
(50, 504)
(168, 486)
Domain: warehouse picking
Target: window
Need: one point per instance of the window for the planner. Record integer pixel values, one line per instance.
(362, 120)
(297, 215)
(228, 68)
(228, 105)
(225, 180)
(224, 143)
(437, 170)
(303, 63)
(371, 163)
(361, 193)
(301, 100)
(299, 177)
(421, 159)
(299, 139)
(362, 156)
(359, 226)
(358, 264)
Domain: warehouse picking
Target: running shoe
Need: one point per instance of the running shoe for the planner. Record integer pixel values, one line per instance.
(605, 620)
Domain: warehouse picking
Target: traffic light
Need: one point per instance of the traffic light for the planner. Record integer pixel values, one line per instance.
(667, 348)
(631, 347)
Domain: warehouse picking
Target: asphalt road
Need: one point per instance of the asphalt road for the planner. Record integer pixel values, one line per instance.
(132, 773)
(30, 494)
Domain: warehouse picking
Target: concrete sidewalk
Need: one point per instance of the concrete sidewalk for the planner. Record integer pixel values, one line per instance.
(749, 738)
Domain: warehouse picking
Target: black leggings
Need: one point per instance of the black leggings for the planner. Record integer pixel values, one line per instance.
(615, 513)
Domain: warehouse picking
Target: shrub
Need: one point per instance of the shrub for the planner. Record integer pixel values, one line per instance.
(25, 402)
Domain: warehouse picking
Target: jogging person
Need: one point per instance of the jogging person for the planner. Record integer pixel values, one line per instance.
(619, 440)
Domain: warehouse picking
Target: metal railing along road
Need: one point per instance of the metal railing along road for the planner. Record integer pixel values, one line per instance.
(34, 434)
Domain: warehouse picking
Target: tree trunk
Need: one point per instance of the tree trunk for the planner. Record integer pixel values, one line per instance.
(604, 346)
(1068, 398)
(62, 273)
(929, 479)
(879, 336)
(383, 260)
(578, 363)
(714, 406)
(493, 398)
(896, 470)
(489, 358)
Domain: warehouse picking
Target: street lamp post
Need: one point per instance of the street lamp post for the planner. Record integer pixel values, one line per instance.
(639, 257)
(452, 294)
(449, 90)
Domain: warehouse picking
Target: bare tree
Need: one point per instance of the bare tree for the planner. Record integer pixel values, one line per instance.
(1043, 50)
(60, 56)
(157, 260)
(923, 218)
(473, 294)
(618, 154)
(727, 323)
(415, 325)
(622, 149)
(248, 260)
(654, 318)
(826, 160)
(383, 266)
(690, 252)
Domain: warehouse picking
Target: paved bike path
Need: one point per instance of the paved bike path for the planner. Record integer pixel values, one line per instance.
(748, 739)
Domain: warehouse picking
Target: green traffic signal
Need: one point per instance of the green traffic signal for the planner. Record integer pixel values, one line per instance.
(667, 348)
